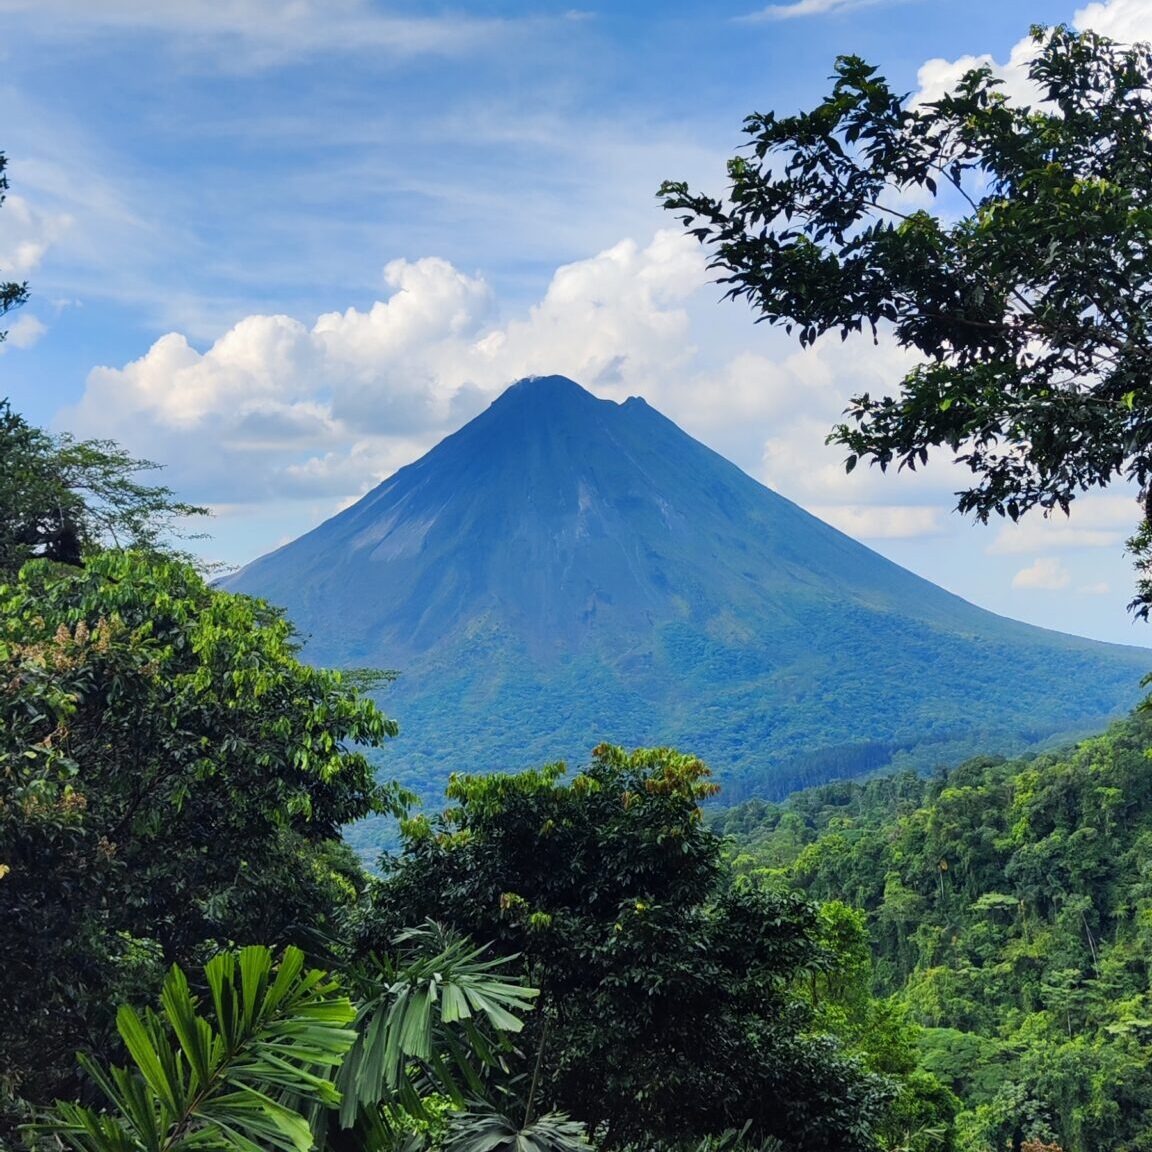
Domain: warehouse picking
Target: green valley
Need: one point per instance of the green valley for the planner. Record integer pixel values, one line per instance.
(1008, 911)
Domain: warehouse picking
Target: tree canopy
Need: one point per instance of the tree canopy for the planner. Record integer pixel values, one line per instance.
(1010, 914)
(659, 982)
(172, 778)
(61, 497)
(1027, 292)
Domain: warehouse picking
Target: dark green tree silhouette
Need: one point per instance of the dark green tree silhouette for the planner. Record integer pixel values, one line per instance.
(1027, 292)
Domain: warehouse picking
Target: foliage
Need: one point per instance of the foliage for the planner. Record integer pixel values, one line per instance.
(486, 1132)
(172, 778)
(1027, 294)
(1008, 910)
(658, 981)
(217, 1083)
(287, 1061)
(61, 497)
(428, 1024)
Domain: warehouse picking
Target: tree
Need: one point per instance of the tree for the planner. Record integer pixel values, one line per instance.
(660, 982)
(172, 779)
(61, 497)
(1028, 294)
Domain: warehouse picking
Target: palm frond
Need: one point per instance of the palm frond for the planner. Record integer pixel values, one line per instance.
(431, 1021)
(217, 1084)
(491, 1132)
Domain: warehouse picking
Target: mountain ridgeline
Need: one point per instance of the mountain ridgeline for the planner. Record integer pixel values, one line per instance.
(565, 570)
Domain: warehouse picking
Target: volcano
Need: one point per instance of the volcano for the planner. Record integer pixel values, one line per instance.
(565, 570)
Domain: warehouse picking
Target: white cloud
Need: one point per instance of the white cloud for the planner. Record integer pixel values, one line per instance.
(24, 331)
(1036, 532)
(1096, 521)
(1046, 573)
(882, 521)
(810, 8)
(26, 234)
(938, 77)
(1127, 21)
(805, 394)
(614, 322)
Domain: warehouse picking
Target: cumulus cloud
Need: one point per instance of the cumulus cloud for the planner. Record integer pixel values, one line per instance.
(1128, 21)
(1046, 573)
(1125, 20)
(615, 322)
(280, 422)
(938, 77)
(275, 408)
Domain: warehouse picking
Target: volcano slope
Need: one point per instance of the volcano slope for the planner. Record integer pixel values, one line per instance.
(565, 570)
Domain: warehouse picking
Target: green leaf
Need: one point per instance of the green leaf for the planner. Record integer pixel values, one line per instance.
(277, 1029)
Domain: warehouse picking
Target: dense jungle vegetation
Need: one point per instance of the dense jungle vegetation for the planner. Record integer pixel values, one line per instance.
(957, 962)
(172, 783)
(1008, 910)
(192, 960)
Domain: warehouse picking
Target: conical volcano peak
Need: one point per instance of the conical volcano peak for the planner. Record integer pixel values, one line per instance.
(545, 386)
(565, 569)
(559, 399)
(544, 393)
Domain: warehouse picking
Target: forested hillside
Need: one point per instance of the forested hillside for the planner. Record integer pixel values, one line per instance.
(564, 569)
(192, 960)
(1009, 910)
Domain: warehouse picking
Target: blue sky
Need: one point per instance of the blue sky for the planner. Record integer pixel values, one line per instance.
(284, 246)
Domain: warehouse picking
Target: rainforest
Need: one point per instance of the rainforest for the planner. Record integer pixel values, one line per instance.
(608, 953)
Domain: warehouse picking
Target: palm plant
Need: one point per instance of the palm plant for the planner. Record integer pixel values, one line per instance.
(432, 1021)
(215, 1084)
(284, 1061)
(490, 1132)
